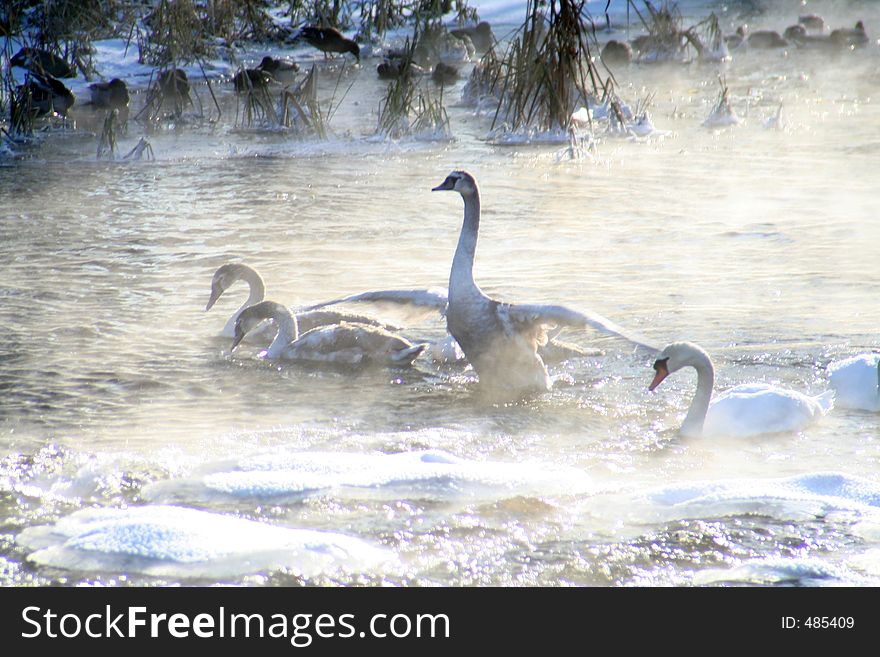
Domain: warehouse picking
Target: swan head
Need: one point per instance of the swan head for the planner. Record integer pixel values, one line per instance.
(458, 181)
(225, 276)
(675, 356)
(254, 315)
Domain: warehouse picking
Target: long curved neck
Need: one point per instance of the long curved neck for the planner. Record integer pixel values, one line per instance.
(462, 275)
(696, 415)
(288, 331)
(256, 294)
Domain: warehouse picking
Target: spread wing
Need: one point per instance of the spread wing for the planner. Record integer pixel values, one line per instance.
(415, 305)
(548, 316)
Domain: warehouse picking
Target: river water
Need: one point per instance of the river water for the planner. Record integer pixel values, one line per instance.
(119, 395)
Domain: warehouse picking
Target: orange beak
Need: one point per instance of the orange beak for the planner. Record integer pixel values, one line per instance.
(662, 373)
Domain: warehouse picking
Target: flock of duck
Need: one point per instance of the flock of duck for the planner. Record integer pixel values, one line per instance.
(437, 51)
(809, 33)
(508, 345)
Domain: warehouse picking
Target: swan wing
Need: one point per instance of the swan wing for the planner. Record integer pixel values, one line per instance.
(550, 316)
(315, 318)
(415, 304)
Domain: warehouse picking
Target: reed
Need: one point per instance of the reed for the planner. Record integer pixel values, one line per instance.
(253, 93)
(408, 110)
(301, 110)
(107, 140)
(547, 71)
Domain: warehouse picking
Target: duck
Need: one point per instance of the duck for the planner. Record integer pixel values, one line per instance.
(173, 84)
(338, 344)
(248, 80)
(391, 68)
(329, 40)
(480, 35)
(856, 382)
(746, 410)
(48, 95)
(110, 95)
(283, 71)
(812, 22)
(500, 340)
(850, 37)
(444, 74)
(616, 53)
(736, 39)
(43, 62)
(794, 33)
(765, 39)
(232, 272)
(798, 35)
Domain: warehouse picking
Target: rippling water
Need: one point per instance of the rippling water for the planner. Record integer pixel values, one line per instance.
(758, 244)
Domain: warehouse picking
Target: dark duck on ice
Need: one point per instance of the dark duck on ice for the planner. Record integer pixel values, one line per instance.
(329, 40)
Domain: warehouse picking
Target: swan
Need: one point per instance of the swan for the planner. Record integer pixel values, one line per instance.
(230, 273)
(501, 340)
(344, 344)
(224, 278)
(419, 302)
(856, 382)
(746, 410)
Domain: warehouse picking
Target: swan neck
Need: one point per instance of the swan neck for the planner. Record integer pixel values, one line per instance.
(462, 274)
(288, 331)
(256, 293)
(256, 285)
(696, 415)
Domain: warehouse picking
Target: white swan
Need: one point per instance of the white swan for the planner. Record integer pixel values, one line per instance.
(229, 274)
(501, 340)
(856, 382)
(746, 410)
(343, 344)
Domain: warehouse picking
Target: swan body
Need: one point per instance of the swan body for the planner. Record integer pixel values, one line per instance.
(501, 340)
(745, 410)
(417, 302)
(342, 344)
(856, 382)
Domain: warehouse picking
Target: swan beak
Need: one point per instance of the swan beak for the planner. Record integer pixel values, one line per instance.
(662, 373)
(446, 185)
(215, 294)
(236, 341)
